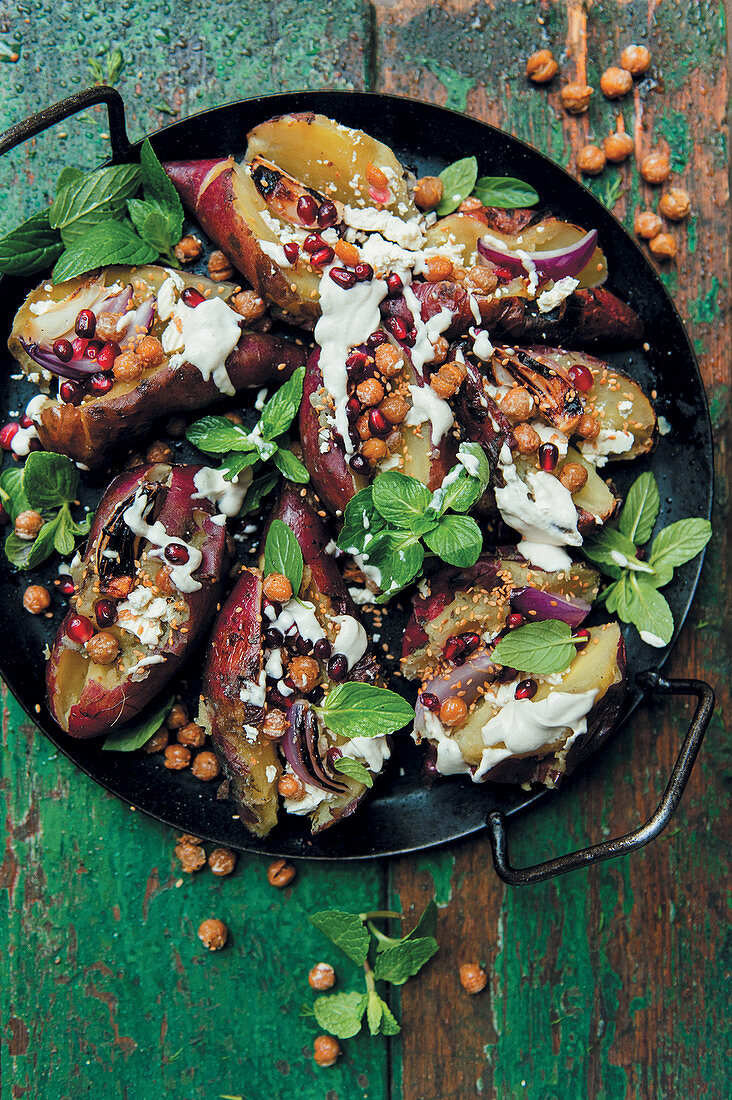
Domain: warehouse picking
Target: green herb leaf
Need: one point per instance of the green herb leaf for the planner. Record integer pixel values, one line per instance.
(110, 242)
(258, 490)
(361, 523)
(504, 192)
(641, 604)
(539, 648)
(362, 710)
(27, 553)
(282, 554)
(157, 187)
(32, 247)
(427, 923)
(458, 181)
(457, 540)
(346, 931)
(290, 466)
(640, 509)
(678, 543)
(468, 486)
(405, 959)
(217, 435)
(134, 736)
(612, 551)
(389, 1023)
(64, 537)
(49, 480)
(399, 498)
(340, 1013)
(68, 176)
(104, 190)
(354, 769)
(282, 407)
(233, 464)
(374, 1011)
(12, 494)
(155, 224)
(398, 556)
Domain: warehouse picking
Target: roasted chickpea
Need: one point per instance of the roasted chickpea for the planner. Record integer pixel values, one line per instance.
(291, 787)
(618, 147)
(187, 249)
(428, 192)
(305, 671)
(370, 392)
(518, 404)
(675, 204)
(157, 742)
(480, 279)
(28, 524)
(212, 933)
(190, 853)
(158, 452)
(440, 349)
(277, 587)
(222, 861)
(149, 351)
(177, 717)
(591, 160)
(36, 599)
(106, 329)
(275, 724)
(438, 268)
(588, 427)
(527, 440)
(663, 246)
(321, 976)
(453, 711)
(541, 67)
(205, 766)
(280, 873)
(103, 648)
(655, 167)
(177, 757)
(389, 360)
(473, 977)
(615, 82)
(472, 206)
(127, 367)
(191, 735)
(636, 59)
(647, 224)
(219, 267)
(448, 379)
(394, 409)
(248, 305)
(576, 98)
(573, 476)
(374, 450)
(326, 1050)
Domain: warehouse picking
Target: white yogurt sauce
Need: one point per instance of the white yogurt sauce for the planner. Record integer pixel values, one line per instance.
(181, 575)
(428, 408)
(209, 332)
(542, 511)
(351, 639)
(254, 692)
(608, 442)
(228, 496)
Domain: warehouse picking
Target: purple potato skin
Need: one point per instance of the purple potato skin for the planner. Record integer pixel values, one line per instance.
(100, 709)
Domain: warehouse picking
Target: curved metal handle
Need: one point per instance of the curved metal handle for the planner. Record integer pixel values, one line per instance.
(59, 111)
(649, 681)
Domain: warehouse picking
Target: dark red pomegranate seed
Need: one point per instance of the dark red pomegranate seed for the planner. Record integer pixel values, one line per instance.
(274, 638)
(353, 408)
(63, 350)
(503, 274)
(7, 434)
(79, 347)
(364, 273)
(105, 612)
(378, 423)
(327, 215)
(411, 338)
(25, 421)
(581, 638)
(176, 553)
(323, 256)
(338, 667)
(343, 278)
(322, 649)
(429, 700)
(471, 641)
(86, 323)
(303, 646)
(506, 674)
(107, 355)
(192, 297)
(548, 456)
(397, 328)
(79, 629)
(313, 243)
(581, 377)
(394, 285)
(66, 588)
(357, 462)
(291, 251)
(291, 640)
(307, 209)
(526, 689)
(100, 383)
(93, 348)
(376, 339)
(514, 619)
(275, 699)
(71, 393)
(357, 360)
(453, 648)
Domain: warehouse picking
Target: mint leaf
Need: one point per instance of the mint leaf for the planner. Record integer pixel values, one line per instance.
(362, 710)
(12, 495)
(282, 554)
(374, 1011)
(49, 480)
(457, 540)
(158, 188)
(398, 556)
(361, 523)
(136, 735)
(30, 247)
(458, 181)
(504, 192)
(398, 498)
(30, 553)
(258, 490)
(154, 224)
(427, 923)
(340, 1014)
(641, 604)
(67, 176)
(63, 537)
(539, 648)
(389, 1024)
(354, 769)
(405, 959)
(290, 466)
(346, 931)
(282, 407)
(217, 435)
(678, 543)
(104, 190)
(612, 551)
(640, 509)
(466, 483)
(110, 242)
(236, 461)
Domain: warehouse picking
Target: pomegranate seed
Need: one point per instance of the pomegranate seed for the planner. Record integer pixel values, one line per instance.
(192, 297)
(514, 619)
(25, 421)
(289, 682)
(307, 210)
(343, 278)
(327, 215)
(376, 339)
(93, 348)
(581, 638)
(453, 647)
(394, 285)
(100, 383)
(323, 256)
(471, 641)
(105, 612)
(353, 408)
(358, 464)
(86, 323)
(107, 355)
(338, 667)
(397, 328)
(378, 423)
(322, 649)
(176, 553)
(507, 674)
(581, 377)
(313, 243)
(429, 700)
(303, 646)
(357, 360)
(71, 393)
(364, 273)
(548, 456)
(526, 689)
(79, 347)
(66, 588)
(411, 338)
(63, 350)
(291, 251)
(503, 274)
(79, 629)
(276, 700)
(7, 434)
(274, 638)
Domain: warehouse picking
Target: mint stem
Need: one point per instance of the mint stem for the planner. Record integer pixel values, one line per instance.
(380, 935)
(387, 914)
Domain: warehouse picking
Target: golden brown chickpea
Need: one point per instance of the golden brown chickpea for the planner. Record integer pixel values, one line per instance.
(191, 735)
(473, 978)
(280, 873)
(321, 976)
(103, 648)
(370, 392)
(438, 269)
(518, 404)
(591, 160)
(28, 524)
(541, 67)
(277, 587)
(675, 204)
(187, 249)
(291, 787)
(374, 450)
(428, 192)
(588, 427)
(636, 59)
(36, 599)
(326, 1050)
(177, 717)
(647, 224)
(615, 82)
(362, 427)
(576, 98)
(219, 267)
(157, 742)
(305, 671)
(275, 724)
(222, 861)
(573, 476)
(177, 757)
(106, 329)
(158, 452)
(149, 351)
(394, 409)
(655, 167)
(618, 147)
(440, 349)
(127, 367)
(190, 853)
(248, 305)
(480, 279)
(212, 933)
(453, 711)
(663, 246)
(205, 766)
(389, 360)
(527, 440)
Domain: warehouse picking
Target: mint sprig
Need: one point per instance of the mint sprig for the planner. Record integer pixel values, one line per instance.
(363, 710)
(460, 180)
(354, 769)
(47, 484)
(537, 648)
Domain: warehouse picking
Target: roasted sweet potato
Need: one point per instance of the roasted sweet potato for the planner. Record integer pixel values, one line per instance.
(102, 413)
(149, 581)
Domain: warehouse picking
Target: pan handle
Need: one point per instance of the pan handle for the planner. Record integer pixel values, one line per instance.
(79, 102)
(572, 861)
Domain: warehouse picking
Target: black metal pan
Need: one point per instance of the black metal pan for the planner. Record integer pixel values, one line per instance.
(402, 816)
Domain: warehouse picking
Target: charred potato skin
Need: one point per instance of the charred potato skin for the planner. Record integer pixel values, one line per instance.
(100, 708)
(587, 317)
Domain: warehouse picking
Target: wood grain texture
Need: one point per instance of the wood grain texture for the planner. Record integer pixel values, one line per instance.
(608, 983)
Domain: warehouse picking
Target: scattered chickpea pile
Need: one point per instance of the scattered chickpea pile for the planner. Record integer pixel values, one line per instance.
(654, 168)
(189, 737)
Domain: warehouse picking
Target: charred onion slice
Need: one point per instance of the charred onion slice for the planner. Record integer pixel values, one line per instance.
(118, 547)
(282, 192)
(300, 746)
(551, 387)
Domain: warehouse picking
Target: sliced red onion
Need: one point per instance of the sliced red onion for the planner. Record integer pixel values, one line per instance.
(300, 746)
(467, 678)
(538, 606)
(76, 369)
(556, 264)
(118, 303)
(136, 322)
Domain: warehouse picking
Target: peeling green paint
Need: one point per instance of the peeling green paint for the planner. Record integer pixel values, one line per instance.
(455, 83)
(706, 307)
(440, 866)
(674, 125)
